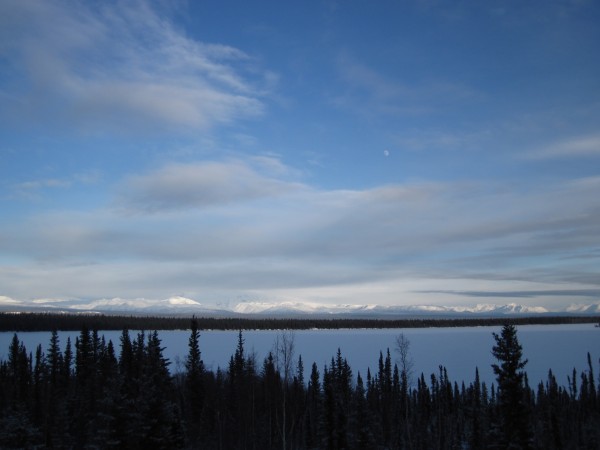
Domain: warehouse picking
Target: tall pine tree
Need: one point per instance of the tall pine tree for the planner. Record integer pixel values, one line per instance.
(515, 428)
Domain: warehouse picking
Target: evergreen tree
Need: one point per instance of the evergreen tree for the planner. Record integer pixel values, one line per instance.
(515, 427)
(54, 358)
(297, 407)
(241, 372)
(194, 379)
(67, 362)
(313, 408)
(328, 423)
(475, 410)
(271, 394)
(39, 385)
(105, 434)
(19, 369)
(156, 402)
(126, 359)
(45, 404)
(194, 364)
(361, 418)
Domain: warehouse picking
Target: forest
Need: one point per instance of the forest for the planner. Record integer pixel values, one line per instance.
(47, 321)
(93, 395)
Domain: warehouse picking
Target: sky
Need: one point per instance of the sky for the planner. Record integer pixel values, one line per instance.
(332, 152)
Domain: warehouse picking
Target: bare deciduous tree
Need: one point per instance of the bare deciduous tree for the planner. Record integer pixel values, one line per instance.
(284, 353)
(284, 359)
(405, 360)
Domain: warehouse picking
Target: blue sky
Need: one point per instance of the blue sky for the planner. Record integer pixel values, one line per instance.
(394, 153)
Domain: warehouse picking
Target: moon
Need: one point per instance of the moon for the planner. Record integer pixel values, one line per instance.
(386, 153)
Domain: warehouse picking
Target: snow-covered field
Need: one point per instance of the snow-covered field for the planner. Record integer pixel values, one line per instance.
(460, 350)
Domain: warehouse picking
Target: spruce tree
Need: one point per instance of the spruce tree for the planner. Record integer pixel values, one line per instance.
(515, 427)
(54, 359)
(194, 381)
(67, 362)
(313, 408)
(361, 418)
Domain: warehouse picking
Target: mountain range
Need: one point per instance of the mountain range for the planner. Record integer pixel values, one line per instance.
(179, 305)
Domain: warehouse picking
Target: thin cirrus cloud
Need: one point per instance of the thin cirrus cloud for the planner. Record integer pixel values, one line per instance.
(580, 146)
(122, 67)
(266, 216)
(591, 293)
(276, 233)
(200, 185)
(393, 96)
(35, 189)
(29, 188)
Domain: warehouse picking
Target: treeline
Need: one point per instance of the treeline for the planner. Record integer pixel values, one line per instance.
(86, 396)
(20, 322)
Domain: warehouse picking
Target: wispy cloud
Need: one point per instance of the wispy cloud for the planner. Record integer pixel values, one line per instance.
(32, 189)
(121, 66)
(275, 233)
(198, 185)
(38, 184)
(37, 188)
(580, 146)
(367, 91)
(420, 140)
(591, 293)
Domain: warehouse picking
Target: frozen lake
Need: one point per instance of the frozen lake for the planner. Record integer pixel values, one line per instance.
(460, 350)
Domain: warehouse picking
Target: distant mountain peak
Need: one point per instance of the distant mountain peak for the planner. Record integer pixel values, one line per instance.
(177, 300)
(319, 308)
(179, 304)
(594, 308)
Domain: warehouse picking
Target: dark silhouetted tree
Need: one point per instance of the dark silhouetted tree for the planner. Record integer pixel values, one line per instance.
(514, 425)
(194, 385)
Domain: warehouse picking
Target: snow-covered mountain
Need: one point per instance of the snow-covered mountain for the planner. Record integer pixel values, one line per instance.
(381, 310)
(183, 305)
(299, 308)
(172, 305)
(584, 309)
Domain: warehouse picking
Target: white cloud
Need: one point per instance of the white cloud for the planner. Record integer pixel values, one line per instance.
(580, 146)
(39, 184)
(32, 189)
(198, 185)
(35, 189)
(4, 300)
(278, 236)
(121, 66)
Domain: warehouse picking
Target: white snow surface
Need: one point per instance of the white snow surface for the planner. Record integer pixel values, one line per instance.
(557, 347)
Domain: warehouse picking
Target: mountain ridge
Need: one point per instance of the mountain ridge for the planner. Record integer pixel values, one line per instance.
(184, 305)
